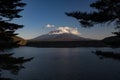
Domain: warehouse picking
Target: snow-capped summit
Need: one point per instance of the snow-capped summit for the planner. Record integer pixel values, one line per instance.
(61, 34)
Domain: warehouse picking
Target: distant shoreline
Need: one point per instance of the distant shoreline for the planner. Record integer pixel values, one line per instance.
(62, 44)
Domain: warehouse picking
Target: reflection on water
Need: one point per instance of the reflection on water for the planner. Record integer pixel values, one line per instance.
(67, 64)
(11, 64)
(108, 54)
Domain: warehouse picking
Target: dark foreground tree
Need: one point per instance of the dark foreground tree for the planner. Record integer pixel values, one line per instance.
(11, 64)
(9, 10)
(106, 12)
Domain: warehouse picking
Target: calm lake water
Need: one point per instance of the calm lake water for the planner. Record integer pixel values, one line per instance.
(66, 64)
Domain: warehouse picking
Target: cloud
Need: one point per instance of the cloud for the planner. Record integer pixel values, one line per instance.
(69, 30)
(50, 26)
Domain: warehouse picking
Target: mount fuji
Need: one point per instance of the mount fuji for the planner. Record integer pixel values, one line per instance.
(62, 34)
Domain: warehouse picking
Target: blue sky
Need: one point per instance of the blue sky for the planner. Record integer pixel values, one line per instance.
(38, 13)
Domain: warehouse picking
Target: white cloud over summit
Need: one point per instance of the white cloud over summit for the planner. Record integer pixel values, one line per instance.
(61, 30)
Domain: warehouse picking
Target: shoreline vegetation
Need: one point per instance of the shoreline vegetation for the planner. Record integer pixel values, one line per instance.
(107, 54)
(57, 44)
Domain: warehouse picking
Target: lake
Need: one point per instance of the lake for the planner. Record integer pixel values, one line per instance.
(66, 64)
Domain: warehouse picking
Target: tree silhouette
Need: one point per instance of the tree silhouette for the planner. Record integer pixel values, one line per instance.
(11, 64)
(106, 11)
(107, 54)
(9, 10)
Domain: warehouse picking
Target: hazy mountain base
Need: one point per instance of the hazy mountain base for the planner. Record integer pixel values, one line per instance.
(94, 43)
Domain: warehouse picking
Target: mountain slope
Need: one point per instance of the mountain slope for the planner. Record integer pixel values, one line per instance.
(61, 34)
(18, 39)
(60, 37)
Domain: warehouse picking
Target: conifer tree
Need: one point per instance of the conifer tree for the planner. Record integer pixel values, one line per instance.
(106, 11)
(9, 10)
